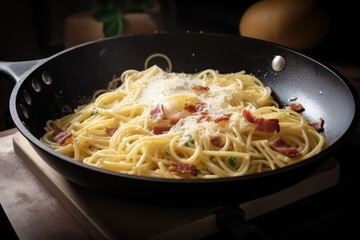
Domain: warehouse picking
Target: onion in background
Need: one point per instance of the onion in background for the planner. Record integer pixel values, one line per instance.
(297, 24)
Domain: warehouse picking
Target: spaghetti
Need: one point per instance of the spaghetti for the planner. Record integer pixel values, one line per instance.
(177, 125)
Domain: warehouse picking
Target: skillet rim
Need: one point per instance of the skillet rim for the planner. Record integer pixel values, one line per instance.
(323, 154)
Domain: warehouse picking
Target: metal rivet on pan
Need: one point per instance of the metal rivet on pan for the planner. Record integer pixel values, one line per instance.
(24, 111)
(36, 85)
(27, 97)
(278, 63)
(46, 77)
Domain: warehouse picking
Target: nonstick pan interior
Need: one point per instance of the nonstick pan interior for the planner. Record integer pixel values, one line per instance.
(68, 79)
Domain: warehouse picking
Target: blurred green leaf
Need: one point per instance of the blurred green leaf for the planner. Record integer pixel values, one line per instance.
(114, 26)
(111, 15)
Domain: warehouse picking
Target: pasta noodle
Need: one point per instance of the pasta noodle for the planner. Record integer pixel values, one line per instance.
(177, 125)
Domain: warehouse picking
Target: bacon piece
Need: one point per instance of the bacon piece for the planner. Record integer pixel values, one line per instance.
(282, 147)
(204, 118)
(183, 168)
(110, 131)
(225, 117)
(297, 107)
(267, 125)
(248, 115)
(190, 108)
(198, 88)
(217, 141)
(161, 127)
(60, 135)
(318, 125)
(157, 112)
(262, 124)
(198, 107)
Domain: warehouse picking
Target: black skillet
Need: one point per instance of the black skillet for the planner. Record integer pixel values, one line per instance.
(51, 87)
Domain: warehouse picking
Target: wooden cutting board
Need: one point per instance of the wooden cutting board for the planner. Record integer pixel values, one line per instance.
(109, 217)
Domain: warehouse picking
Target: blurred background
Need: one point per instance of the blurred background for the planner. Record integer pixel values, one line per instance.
(33, 29)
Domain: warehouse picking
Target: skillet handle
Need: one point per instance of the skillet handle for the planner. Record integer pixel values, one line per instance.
(14, 71)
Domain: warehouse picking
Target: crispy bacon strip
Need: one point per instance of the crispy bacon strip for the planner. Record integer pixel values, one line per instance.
(198, 88)
(282, 147)
(157, 112)
(60, 135)
(183, 168)
(217, 141)
(225, 117)
(262, 124)
(267, 125)
(190, 108)
(297, 107)
(110, 131)
(318, 125)
(204, 118)
(198, 107)
(248, 116)
(161, 127)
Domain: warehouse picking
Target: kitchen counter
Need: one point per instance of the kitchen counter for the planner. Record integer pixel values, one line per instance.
(35, 213)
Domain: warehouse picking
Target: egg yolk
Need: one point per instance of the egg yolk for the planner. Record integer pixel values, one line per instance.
(174, 106)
